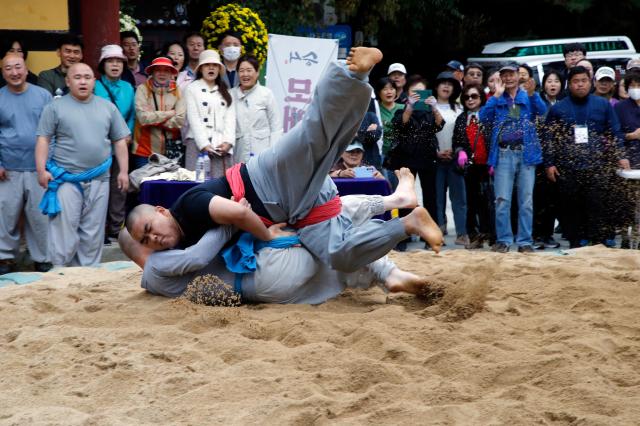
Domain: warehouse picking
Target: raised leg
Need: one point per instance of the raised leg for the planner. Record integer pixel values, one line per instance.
(289, 176)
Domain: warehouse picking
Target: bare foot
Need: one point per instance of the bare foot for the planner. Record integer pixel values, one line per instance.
(362, 59)
(419, 222)
(406, 282)
(405, 195)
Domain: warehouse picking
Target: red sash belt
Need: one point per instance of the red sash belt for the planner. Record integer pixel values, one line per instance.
(326, 211)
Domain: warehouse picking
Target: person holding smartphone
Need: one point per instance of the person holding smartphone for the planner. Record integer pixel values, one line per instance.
(415, 145)
(351, 165)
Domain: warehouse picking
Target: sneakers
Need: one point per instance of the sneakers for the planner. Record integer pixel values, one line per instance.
(42, 266)
(462, 240)
(500, 248)
(7, 266)
(525, 249)
(538, 244)
(551, 243)
(475, 243)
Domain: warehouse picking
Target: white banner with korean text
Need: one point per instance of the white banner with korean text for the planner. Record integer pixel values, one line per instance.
(294, 67)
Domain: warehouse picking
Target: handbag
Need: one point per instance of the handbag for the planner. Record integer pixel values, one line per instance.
(174, 149)
(463, 170)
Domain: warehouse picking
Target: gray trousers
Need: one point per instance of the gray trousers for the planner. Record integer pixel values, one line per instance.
(117, 202)
(294, 276)
(291, 177)
(21, 192)
(76, 234)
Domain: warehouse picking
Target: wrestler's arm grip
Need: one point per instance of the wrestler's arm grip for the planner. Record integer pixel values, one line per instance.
(227, 212)
(176, 262)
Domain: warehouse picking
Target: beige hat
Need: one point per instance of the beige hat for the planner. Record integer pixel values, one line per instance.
(209, 57)
(633, 63)
(111, 51)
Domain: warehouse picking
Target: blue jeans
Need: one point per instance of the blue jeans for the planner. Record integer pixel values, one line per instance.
(447, 176)
(510, 169)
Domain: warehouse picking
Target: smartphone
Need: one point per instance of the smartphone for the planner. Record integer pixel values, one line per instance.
(424, 95)
(364, 171)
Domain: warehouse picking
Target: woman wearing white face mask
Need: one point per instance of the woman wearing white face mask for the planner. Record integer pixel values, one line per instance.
(212, 119)
(231, 48)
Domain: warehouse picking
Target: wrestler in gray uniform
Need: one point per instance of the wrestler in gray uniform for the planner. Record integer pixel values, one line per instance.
(283, 275)
(292, 176)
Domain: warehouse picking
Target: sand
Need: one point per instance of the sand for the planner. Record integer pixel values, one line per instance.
(517, 339)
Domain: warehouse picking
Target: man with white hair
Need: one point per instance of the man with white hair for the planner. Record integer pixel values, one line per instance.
(86, 129)
(21, 104)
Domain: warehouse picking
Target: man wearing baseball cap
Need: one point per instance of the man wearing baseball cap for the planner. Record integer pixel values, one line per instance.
(510, 114)
(398, 74)
(605, 79)
(456, 68)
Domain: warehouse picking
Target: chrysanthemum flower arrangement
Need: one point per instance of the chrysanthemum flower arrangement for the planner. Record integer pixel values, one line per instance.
(233, 17)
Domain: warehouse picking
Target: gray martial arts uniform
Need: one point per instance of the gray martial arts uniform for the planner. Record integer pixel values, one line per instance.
(83, 133)
(20, 191)
(292, 177)
(283, 275)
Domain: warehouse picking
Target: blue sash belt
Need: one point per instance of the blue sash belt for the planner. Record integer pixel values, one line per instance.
(240, 258)
(50, 204)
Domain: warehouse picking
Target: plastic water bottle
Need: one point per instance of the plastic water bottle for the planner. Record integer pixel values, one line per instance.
(207, 167)
(200, 167)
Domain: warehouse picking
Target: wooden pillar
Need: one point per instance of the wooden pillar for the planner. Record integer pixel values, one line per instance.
(99, 25)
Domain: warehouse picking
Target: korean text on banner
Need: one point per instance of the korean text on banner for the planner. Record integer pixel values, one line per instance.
(294, 67)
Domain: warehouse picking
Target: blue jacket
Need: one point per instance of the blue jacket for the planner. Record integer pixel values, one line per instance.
(494, 114)
(605, 143)
(124, 97)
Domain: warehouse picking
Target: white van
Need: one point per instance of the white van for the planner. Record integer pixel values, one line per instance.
(542, 55)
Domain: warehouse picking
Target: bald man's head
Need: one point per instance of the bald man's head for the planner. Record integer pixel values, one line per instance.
(80, 80)
(14, 71)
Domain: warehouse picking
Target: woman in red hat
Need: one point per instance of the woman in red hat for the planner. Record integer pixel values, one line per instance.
(160, 113)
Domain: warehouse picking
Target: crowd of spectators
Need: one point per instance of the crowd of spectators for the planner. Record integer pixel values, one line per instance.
(187, 101)
(516, 157)
(513, 157)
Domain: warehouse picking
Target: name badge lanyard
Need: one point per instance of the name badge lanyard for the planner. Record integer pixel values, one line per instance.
(580, 131)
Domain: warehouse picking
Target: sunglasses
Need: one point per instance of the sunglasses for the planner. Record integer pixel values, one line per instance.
(467, 97)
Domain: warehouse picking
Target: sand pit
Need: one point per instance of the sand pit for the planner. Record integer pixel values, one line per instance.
(517, 339)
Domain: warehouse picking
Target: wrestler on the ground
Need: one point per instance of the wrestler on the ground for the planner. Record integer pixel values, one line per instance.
(289, 183)
(285, 275)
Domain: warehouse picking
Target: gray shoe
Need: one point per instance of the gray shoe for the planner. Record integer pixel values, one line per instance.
(462, 240)
(500, 248)
(525, 249)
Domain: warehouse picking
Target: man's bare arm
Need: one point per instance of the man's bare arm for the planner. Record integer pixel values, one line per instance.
(122, 157)
(227, 212)
(41, 154)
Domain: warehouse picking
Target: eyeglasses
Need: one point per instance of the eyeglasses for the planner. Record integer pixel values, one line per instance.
(473, 96)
